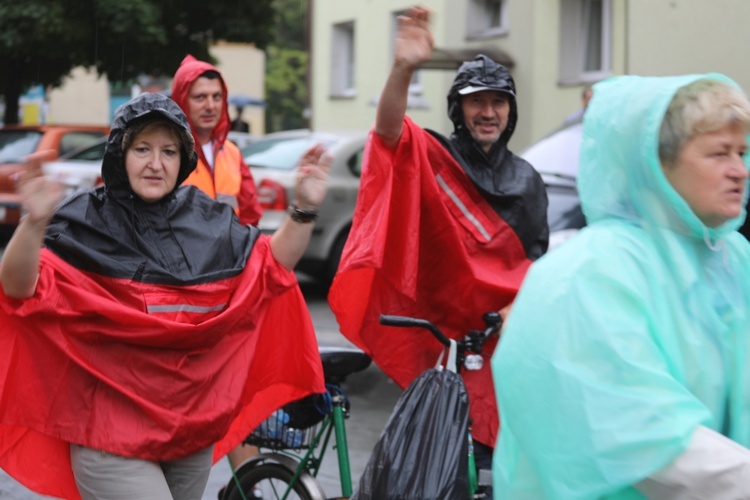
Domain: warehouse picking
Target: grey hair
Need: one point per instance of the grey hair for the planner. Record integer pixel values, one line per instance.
(701, 107)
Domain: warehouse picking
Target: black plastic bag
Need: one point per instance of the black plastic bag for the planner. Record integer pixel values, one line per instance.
(422, 452)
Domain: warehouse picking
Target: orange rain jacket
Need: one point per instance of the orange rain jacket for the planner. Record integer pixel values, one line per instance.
(230, 181)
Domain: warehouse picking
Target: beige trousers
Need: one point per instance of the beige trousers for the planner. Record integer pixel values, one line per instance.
(103, 476)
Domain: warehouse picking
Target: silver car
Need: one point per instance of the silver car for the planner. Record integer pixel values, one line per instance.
(272, 160)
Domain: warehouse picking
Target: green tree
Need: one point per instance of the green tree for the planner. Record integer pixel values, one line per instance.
(287, 68)
(41, 41)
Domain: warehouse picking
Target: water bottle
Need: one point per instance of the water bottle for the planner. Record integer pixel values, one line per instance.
(293, 437)
(273, 426)
(280, 419)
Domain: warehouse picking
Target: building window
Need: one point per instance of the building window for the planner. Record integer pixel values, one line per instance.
(585, 33)
(415, 87)
(342, 60)
(486, 18)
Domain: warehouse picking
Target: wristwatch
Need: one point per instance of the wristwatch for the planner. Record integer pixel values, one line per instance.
(302, 216)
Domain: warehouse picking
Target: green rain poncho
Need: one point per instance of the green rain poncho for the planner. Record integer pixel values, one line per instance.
(630, 335)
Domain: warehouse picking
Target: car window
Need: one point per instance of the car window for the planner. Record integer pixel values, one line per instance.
(74, 140)
(281, 154)
(355, 163)
(17, 144)
(94, 152)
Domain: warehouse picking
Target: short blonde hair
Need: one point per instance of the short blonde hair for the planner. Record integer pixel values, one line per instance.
(703, 106)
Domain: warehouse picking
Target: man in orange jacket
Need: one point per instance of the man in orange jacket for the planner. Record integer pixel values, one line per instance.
(199, 89)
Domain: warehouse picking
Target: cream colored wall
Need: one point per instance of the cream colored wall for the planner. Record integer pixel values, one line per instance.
(372, 59)
(243, 68)
(372, 48)
(669, 37)
(82, 99)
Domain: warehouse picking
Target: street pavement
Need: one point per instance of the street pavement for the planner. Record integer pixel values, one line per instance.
(372, 396)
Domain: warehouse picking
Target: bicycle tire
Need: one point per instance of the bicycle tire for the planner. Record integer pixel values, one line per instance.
(269, 481)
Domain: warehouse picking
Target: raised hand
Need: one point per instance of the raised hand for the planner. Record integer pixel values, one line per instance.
(311, 182)
(414, 42)
(39, 194)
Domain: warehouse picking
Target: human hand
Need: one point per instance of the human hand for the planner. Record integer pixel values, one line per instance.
(39, 194)
(311, 181)
(414, 39)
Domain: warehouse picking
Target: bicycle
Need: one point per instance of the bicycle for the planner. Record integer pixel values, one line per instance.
(468, 356)
(286, 471)
(294, 440)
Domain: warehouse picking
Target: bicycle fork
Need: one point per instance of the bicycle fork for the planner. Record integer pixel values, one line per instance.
(472, 472)
(342, 448)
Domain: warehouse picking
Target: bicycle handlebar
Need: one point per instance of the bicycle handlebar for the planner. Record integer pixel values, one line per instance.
(389, 320)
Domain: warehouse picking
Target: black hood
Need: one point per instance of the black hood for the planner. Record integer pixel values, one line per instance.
(138, 110)
(482, 72)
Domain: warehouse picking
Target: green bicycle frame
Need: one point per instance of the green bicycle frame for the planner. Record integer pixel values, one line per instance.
(473, 480)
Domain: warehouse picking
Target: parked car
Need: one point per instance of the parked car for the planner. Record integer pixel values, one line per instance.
(556, 158)
(17, 142)
(81, 168)
(272, 160)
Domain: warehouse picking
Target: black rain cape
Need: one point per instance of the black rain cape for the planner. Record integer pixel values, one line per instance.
(155, 331)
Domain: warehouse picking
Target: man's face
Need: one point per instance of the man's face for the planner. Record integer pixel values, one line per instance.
(205, 101)
(486, 116)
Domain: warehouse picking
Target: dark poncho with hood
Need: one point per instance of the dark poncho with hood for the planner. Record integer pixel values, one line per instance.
(441, 232)
(509, 183)
(154, 329)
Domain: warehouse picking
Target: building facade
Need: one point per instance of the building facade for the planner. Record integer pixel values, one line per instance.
(86, 98)
(554, 49)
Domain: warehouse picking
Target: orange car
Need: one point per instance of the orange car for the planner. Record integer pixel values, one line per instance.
(18, 141)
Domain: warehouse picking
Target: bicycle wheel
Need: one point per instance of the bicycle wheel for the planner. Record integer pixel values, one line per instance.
(269, 482)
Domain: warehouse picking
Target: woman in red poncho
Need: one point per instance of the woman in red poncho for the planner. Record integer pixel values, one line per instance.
(145, 330)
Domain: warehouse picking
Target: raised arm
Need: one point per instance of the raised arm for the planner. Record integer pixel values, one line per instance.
(289, 242)
(39, 197)
(412, 48)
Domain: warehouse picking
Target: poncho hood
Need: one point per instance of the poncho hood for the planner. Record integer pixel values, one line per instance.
(631, 334)
(482, 72)
(190, 70)
(142, 109)
(620, 174)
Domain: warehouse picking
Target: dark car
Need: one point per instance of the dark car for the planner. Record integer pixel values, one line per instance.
(556, 158)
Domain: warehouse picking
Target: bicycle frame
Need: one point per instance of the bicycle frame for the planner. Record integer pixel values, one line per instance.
(310, 462)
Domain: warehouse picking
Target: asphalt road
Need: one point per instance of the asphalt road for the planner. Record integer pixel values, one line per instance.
(372, 396)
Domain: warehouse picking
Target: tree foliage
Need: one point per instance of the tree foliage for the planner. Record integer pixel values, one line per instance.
(41, 41)
(287, 68)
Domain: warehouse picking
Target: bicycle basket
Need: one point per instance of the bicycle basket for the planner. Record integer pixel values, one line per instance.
(291, 427)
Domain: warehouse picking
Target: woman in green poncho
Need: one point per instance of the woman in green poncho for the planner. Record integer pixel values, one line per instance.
(624, 367)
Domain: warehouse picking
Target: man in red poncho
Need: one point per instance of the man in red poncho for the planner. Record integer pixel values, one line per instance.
(445, 228)
(152, 331)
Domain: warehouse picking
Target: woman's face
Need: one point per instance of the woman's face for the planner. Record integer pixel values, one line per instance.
(152, 162)
(710, 174)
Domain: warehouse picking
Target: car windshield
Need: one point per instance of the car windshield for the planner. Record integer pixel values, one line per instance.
(281, 153)
(92, 153)
(558, 153)
(17, 144)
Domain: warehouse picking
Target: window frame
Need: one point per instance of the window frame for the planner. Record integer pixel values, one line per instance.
(416, 86)
(476, 20)
(574, 36)
(343, 62)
